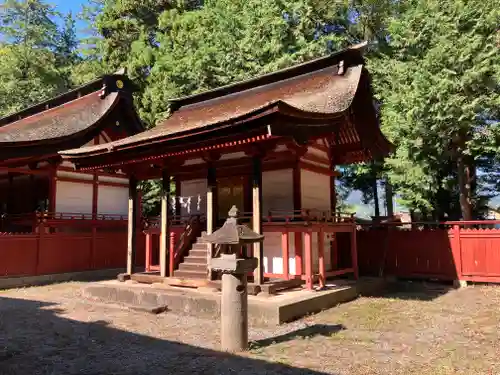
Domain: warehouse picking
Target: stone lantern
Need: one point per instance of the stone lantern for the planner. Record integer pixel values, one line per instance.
(235, 268)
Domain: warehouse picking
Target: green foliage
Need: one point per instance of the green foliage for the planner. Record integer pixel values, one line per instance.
(231, 40)
(29, 63)
(439, 85)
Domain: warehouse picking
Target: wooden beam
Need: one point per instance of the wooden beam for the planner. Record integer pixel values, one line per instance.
(285, 248)
(354, 252)
(258, 250)
(298, 253)
(211, 211)
(132, 224)
(149, 251)
(177, 195)
(52, 190)
(321, 258)
(308, 259)
(164, 236)
(95, 195)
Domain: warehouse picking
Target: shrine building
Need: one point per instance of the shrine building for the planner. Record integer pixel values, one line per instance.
(34, 181)
(271, 146)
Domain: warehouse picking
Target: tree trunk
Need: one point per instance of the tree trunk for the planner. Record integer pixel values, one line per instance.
(389, 198)
(375, 198)
(463, 176)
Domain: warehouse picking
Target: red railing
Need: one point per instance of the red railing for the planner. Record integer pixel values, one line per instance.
(49, 252)
(183, 232)
(448, 251)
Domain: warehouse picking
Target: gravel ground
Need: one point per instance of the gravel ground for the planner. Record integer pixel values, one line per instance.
(53, 330)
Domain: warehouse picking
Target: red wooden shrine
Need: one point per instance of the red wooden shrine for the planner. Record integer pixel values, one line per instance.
(269, 145)
(50, 212)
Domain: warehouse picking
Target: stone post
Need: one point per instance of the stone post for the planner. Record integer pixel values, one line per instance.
(234, 302)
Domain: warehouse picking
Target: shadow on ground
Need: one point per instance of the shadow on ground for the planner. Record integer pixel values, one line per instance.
(415, 289)
(307, 332)
(35, 340)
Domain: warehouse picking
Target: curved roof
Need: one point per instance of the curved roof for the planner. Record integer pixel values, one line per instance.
(323, 92)
(60, 122)
(311, 99)
(69, 120)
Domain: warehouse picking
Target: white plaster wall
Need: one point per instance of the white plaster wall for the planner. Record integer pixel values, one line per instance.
(73, 197)
(273, 256)
(315, 194)
(194, 197)
(112, 200)
(315, 190)
(277, 190)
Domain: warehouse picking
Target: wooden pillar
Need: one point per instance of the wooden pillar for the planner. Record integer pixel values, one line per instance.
(298, 253)
(95, 195)
(132, 224)
(354, 252)
(177, 195)
(333, 196)
(456, 249)
(164, 230)
(308, 259)
(333, 208)
(52, 189)
(211, 191)
(297, 193)
(321, 258)
(211, 211)
(149, 251)
(171, 252)
(258, 249)
(285, 248)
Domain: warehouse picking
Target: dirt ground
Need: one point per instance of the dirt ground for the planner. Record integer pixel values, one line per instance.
(431, 330)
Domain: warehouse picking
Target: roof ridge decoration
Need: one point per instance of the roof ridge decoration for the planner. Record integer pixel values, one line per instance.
(354, 51)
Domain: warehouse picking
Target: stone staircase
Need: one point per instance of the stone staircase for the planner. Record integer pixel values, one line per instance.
(194, 265)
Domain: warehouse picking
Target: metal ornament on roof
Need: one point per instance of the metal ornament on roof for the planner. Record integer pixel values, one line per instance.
(232, 233)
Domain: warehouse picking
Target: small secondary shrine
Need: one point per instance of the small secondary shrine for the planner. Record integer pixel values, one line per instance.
(35, 183)
(270, 146)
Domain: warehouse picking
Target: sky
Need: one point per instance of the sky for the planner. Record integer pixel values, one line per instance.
(66, 5)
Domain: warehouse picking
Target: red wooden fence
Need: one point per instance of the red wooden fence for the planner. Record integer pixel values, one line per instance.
(49, 253)
(450, 252)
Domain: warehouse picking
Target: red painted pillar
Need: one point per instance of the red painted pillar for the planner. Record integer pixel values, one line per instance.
(298, 253)
(149, 250)
(308, 259)
(285, 248)
(321, 257)
(354, 252)
(456, 247)
(171, 260)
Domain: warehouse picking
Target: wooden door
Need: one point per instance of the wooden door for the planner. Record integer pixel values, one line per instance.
(231, 191)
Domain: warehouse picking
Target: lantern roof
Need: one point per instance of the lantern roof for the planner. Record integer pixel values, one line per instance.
(232, 233)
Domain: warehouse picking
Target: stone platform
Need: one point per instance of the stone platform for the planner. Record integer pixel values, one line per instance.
(264, 309)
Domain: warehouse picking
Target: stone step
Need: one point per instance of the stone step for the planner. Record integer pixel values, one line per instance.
(195, 267)
(200, 246)
(198, 253)
(196, 260)
(191, 274)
